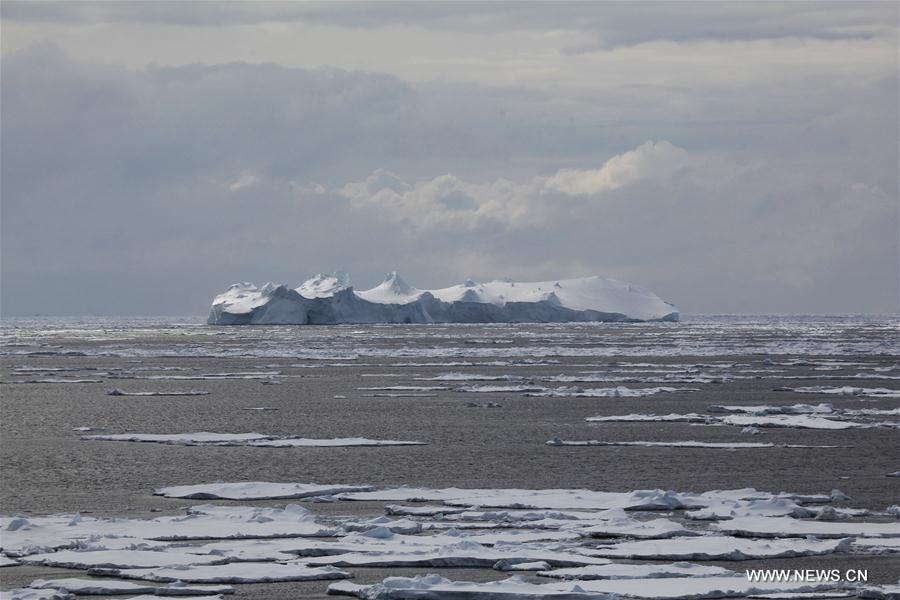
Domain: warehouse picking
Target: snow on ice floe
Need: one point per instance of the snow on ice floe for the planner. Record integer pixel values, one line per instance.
(788, 527)
(427, 587)
(564, 499)
(637, 571)
(463, 554)
(6, 561)
(32, 594)
(720, 547)
(120, 558)
(326, 300)
(616, 392)
(120, 392)
(103, 587)
(681, 444)
(800, 421)
(844, 391)
(183, 439)
(33, 535)
(205, 438)
(768, 409)
(237, 572)
(257, 490)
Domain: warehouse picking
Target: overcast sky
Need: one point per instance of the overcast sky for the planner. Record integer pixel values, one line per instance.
(737, 158)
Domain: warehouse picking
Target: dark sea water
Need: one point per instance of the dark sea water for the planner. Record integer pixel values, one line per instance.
(56, 373)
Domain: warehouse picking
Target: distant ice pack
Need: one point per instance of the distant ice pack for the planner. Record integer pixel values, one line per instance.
(329, 299)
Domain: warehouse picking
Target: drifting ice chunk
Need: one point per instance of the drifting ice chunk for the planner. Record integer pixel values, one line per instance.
(766, 409)
(637, 418)
(329, 443)
(464, 554)
(43, 534)
(798, 421)
(118, 392)
(323, 301)
(787, 527)
(125, 559)
(183, 439)
(845, 391)
(637, 571)
(31, 594)
(102, 587)
(620, 524)
(719, 548)
(428, 587)
(687, 444)
(257, 490)
(239, 572)
(616, 392)
(6, 561)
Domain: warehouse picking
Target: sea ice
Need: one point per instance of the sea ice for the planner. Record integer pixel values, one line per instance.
(711, 547)
(118, 392)
(845, 391)
(76, 559)
(637, 571)
(257, 490)
(237, 572)
(103, 587)
(434, 587)
(789, 527)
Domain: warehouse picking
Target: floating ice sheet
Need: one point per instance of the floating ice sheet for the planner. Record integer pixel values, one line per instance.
(119, 392)
(32, 594)
(238, 572)
(257, 490)
(205, 438)
(330, 443)
(711, 547)
(845, 391)
(34, 535)
(103, 587)
(427, 587)
(684, 444)
(73, 559)
(637, 418)
(615, 392)
(637, 571)
(788, 527)
(182, 439)
(464, 554)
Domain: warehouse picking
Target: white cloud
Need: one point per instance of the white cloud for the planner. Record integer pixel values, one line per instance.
(244, 181)
(649, 161)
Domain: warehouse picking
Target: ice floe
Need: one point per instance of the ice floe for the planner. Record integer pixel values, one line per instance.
(637, 571)
(33, 535)
(788, 527)
(713, 547)
(120, 392)
(205, 438)
(256, 490)
(681, 444)
(427, 587)
(844, 391)
(106, 586)
(237, 572)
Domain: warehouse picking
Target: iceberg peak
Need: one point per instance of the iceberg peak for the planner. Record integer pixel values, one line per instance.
(329, 299)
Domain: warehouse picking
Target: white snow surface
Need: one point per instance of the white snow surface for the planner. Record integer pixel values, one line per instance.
(329, 299)
(256, 490)
(102, 587)
(427, 587)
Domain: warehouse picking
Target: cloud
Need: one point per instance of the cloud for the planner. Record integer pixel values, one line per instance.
(115, 181)
(648, 161)
(244, 181)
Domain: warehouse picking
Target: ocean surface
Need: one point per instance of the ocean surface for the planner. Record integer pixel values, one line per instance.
(484, 399)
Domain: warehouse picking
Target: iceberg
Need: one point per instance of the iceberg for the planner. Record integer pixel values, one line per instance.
(330, 300)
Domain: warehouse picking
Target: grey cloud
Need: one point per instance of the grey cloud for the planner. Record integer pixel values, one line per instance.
(610, 24)
(147, 191)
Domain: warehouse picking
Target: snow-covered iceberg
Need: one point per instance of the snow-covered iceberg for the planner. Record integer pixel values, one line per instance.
(328, 300)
